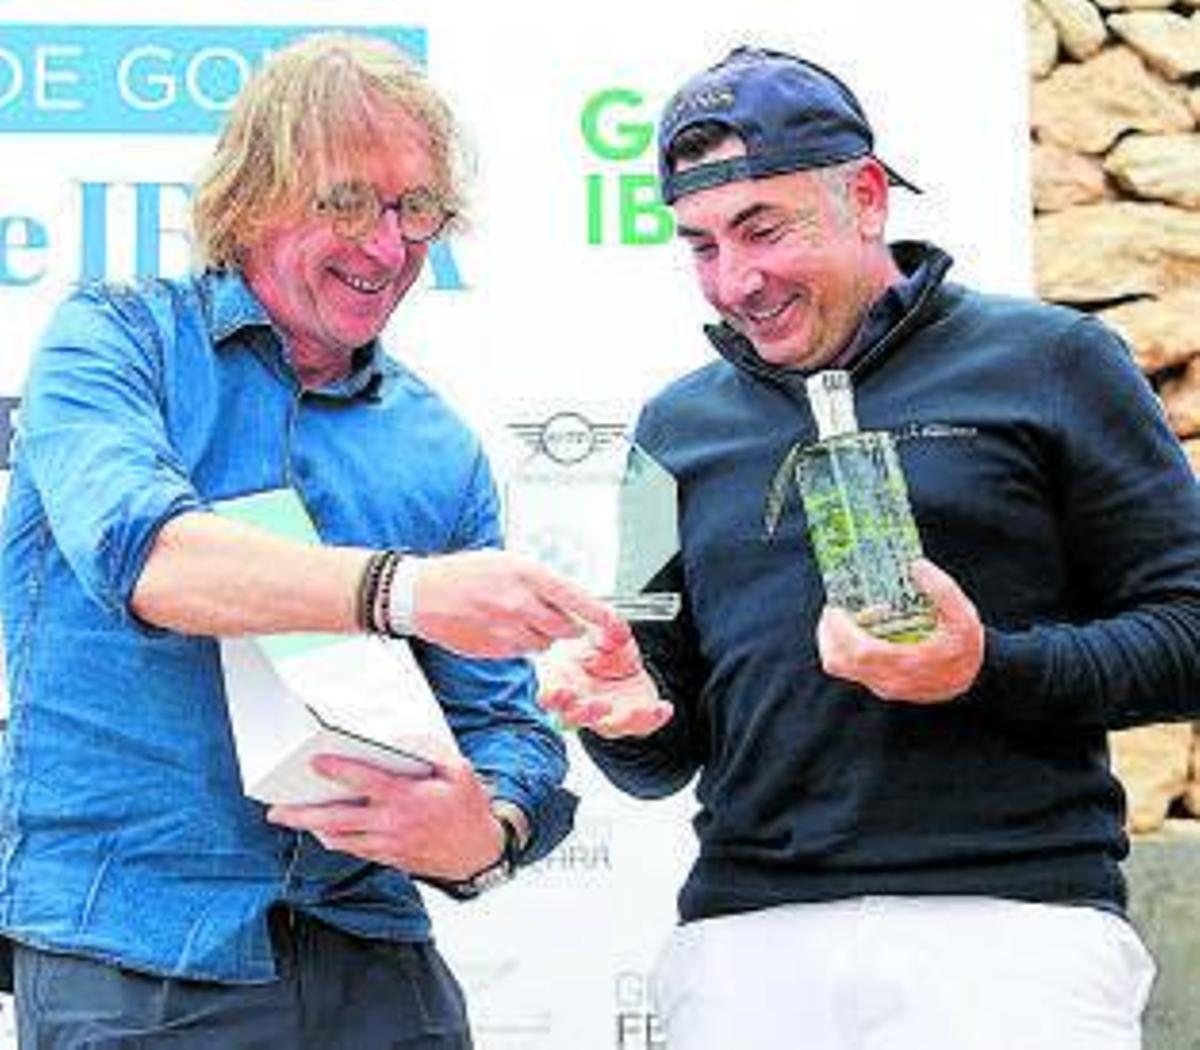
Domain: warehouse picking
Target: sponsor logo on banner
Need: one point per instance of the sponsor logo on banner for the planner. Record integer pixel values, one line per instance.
(585, 855)
(637, 1027)
(505, 1013)
(141, 79)
(67, 83)
(623, 205)
(567, 437)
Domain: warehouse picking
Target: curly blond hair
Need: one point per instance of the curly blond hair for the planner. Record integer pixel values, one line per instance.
(300, 121)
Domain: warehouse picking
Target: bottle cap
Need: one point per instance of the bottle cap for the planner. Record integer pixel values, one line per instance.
(831, 398)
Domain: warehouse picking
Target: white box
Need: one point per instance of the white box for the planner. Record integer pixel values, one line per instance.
(363, 698)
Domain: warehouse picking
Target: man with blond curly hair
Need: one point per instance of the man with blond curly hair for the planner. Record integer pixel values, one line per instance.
(151, 902)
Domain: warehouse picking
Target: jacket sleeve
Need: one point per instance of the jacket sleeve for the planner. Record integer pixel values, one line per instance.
(490, 704)
(665, 761)
(1130, 531)
(92, 438)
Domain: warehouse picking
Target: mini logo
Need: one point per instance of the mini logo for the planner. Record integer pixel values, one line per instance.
(567, 437)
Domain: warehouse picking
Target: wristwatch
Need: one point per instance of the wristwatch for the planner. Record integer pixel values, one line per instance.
(495, 874)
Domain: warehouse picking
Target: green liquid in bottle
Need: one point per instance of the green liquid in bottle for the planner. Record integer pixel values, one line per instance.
(859, 519)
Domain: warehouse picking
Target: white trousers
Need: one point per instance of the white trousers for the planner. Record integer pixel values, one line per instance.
(905, 973)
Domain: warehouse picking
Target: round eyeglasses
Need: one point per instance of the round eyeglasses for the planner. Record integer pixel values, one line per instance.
(354, 209)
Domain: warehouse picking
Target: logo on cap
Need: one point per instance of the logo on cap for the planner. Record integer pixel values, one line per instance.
(791, 114)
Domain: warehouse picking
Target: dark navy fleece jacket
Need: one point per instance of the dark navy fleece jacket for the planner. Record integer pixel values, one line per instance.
(1045, 480)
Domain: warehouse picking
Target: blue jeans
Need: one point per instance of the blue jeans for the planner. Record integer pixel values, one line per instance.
(335, 992)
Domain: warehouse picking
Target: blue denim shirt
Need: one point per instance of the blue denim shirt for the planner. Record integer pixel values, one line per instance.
(124, 832)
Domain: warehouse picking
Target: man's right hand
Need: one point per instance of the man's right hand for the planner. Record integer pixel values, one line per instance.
(494, 603)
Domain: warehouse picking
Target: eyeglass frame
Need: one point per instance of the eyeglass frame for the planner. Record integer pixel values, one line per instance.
(362, 229)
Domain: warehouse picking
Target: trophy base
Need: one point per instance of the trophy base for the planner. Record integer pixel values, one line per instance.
(651, 606)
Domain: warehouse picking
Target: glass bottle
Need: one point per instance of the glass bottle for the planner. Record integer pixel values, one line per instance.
(860, 522)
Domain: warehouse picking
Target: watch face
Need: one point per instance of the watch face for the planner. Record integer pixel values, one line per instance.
(500, 872)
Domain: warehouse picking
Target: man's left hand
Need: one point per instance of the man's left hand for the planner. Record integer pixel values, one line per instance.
(440, 826)
(933, 670)
(600, 683)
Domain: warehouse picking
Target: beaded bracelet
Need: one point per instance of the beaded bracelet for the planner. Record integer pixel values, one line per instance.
(382, 597)
(368, 584)
(383, 607)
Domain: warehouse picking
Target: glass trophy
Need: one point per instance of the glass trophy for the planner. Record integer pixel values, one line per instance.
(860, 523)
(589, 504)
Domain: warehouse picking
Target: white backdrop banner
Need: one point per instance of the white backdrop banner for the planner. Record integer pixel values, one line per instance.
(566, 295)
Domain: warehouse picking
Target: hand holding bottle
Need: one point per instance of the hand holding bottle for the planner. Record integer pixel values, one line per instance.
(936, 669)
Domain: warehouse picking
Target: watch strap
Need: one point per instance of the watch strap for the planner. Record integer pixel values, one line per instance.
(495, 874)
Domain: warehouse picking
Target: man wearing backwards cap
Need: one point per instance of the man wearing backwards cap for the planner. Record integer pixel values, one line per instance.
(902, 846)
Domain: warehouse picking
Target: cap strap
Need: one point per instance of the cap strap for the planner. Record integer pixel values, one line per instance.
(760, 166)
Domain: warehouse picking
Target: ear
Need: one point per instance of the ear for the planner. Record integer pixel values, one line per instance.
(869, 189)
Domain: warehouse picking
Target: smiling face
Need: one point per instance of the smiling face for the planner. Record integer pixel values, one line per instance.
(792, 261)
(328, 294)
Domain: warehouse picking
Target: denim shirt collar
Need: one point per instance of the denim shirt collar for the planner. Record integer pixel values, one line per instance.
(234, 310)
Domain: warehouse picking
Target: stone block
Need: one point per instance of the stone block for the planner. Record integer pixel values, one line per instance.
(1164, 886)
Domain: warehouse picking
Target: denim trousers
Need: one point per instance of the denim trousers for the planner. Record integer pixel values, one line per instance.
(334, 992)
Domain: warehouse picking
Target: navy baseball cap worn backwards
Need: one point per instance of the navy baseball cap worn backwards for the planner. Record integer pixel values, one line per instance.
(791, 114)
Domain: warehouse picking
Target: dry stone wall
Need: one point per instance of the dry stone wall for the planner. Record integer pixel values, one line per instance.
(1115, 121)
